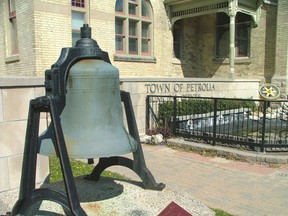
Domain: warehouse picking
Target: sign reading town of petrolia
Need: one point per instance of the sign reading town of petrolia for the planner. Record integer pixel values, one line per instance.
(179, 87)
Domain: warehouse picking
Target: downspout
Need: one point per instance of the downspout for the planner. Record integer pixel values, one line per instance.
(232, 14)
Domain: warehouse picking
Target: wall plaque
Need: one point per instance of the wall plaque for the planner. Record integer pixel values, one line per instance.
(269, 91)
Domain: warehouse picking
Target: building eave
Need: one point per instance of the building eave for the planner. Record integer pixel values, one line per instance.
(180, 9)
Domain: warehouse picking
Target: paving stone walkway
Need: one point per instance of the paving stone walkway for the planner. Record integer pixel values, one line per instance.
(239, 188)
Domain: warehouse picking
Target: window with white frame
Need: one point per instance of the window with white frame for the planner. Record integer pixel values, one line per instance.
(12, 29)
(242, 35)
(80, 12)
(133, 27)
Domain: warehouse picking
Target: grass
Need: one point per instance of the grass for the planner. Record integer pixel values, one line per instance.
(219, 212)
(78, 168)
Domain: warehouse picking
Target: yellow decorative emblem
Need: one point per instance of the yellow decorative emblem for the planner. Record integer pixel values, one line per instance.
(269, 91)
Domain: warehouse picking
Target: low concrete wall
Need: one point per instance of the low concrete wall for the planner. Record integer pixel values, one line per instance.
(139, 88)
(15, 94)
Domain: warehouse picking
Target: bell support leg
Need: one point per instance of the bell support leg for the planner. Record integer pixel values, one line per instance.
(70, 186)
(27, 184)
(138, 164)
(28, 194)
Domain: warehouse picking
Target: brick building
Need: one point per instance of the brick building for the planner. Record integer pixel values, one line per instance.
(159, 46)
(35, 31)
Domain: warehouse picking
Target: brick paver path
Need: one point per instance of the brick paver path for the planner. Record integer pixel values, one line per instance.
(236, 187)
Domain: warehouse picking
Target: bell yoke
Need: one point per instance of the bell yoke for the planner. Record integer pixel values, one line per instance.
(84, 101)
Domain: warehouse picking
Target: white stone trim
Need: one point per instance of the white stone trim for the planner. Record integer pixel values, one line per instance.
(21, 81)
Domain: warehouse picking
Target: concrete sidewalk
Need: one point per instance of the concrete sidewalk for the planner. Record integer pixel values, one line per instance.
(240, 188)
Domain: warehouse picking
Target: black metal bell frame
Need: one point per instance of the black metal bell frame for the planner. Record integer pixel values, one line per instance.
(54, 102)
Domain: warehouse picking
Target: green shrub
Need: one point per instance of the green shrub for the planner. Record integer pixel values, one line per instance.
(234, 104)
(198, 106)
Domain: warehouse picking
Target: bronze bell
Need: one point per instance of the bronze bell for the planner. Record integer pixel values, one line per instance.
(92, 119)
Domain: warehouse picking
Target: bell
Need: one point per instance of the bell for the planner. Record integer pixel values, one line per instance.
(92, 120)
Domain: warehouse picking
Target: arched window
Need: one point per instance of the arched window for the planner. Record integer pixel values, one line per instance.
(133, 27)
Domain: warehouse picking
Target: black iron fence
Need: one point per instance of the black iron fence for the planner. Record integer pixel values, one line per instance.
(254, 124)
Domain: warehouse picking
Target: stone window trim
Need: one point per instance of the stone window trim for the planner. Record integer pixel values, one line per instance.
(272, 2)
(135, 58)
(238, 60)
(12, 36)
(176, 61)
(12, 10)
(133, 28)
(12, 58)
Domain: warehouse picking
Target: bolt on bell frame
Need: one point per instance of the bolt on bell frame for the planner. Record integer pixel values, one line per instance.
(54, 103)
